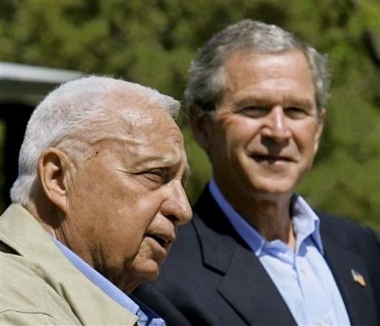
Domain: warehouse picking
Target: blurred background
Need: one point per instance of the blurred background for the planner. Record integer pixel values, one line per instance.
(153, 42)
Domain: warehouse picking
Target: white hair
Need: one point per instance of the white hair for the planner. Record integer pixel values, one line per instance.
(76, 108)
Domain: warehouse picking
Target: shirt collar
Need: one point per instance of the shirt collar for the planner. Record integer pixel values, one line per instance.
(145, 314)
(306, 222)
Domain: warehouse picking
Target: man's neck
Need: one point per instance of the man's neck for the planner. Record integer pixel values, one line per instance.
(272, 220)
(269, 216)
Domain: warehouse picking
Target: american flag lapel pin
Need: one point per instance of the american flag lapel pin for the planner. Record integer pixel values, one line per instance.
(358, 278)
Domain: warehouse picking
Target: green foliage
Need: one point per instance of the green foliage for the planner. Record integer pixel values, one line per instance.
(154, 41)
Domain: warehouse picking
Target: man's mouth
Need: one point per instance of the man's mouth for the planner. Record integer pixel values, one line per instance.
(162, 240)
(271, 159)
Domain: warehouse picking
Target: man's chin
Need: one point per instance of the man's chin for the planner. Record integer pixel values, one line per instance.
(138, 274)
(151, 271)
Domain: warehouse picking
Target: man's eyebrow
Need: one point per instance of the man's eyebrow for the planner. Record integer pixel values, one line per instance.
(251, 100)
(265, 100)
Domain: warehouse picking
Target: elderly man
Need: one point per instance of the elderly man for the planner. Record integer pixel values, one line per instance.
(255, 252)
(95, 207)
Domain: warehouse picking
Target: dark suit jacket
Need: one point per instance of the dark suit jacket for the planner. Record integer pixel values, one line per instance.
(212, 278)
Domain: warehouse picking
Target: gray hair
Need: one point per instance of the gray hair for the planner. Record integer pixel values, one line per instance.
(207, 80)
(72, 116)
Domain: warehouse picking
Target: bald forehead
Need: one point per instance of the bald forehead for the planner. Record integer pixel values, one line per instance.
(136, 109)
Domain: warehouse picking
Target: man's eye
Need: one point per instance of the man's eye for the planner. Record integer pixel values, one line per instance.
(254, 111)
(154, 173)
(296, 112)
(158, 175)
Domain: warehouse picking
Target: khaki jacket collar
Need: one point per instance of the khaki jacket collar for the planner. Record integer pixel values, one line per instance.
(21, 231)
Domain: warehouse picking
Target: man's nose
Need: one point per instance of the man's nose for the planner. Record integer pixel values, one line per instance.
(177, 206)
(276, 125)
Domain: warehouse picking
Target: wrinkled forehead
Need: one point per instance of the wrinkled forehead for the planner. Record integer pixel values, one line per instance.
(145, 137)
(136, 111)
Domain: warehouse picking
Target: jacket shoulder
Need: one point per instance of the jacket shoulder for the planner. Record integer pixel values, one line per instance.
(29, 296)
(351, 234)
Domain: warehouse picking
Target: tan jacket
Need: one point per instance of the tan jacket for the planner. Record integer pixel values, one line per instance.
(40, 286)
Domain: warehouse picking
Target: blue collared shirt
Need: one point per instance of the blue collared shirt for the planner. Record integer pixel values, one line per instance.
(302, 276)
(146, 316)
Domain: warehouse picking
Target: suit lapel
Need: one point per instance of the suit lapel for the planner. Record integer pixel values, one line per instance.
(357, 298)
(245, 282)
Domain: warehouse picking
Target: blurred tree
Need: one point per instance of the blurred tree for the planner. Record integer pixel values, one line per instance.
(154, 41)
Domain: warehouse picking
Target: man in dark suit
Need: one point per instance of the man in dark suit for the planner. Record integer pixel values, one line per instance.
(256, 253)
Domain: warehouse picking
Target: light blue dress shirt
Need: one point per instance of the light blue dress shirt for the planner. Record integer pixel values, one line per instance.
(302, 276)
(146, 316)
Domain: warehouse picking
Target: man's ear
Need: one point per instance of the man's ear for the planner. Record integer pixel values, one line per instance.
(321, 123)
(53, 169)
(201, 125)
